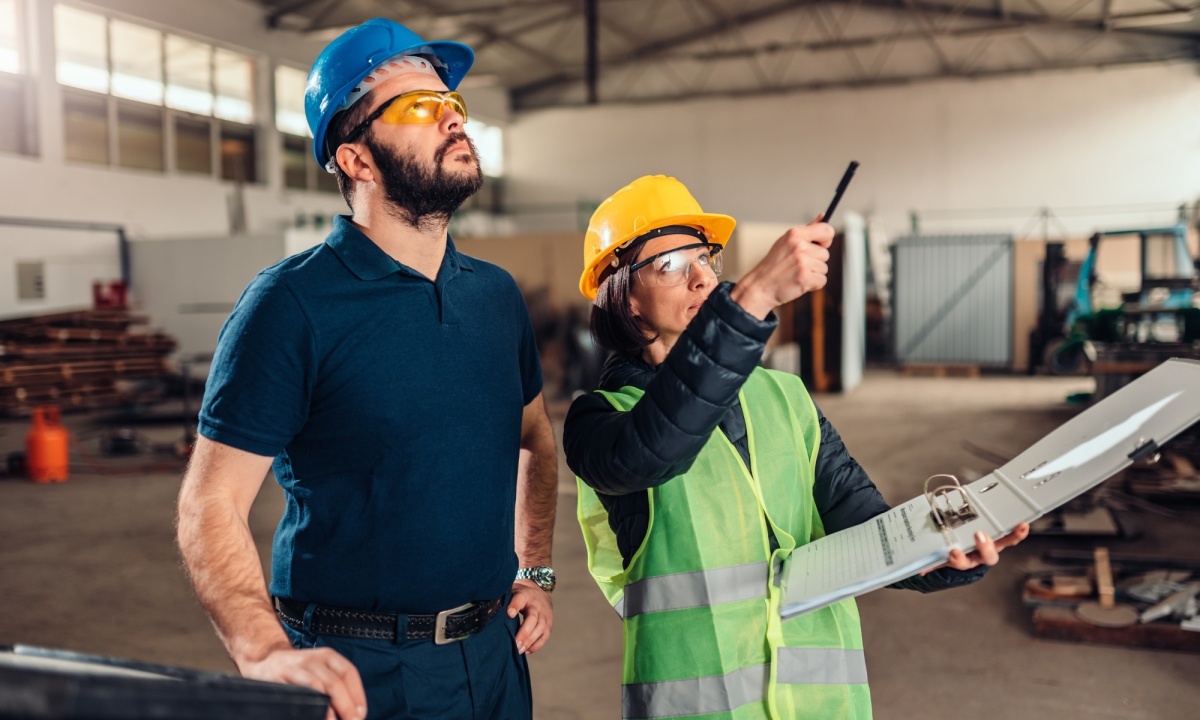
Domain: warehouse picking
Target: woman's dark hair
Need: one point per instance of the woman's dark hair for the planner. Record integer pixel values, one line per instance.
(614, 326)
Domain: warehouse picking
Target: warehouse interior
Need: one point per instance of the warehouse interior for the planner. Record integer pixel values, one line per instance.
(1021, 240)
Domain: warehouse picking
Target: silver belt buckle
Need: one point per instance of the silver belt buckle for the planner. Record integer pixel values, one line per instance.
(439, 625)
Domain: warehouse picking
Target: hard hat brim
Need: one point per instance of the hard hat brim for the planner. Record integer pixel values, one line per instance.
(719, 229)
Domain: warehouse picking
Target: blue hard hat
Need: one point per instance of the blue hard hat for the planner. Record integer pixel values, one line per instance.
(344, 63)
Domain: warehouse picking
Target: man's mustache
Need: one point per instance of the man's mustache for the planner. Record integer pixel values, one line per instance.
(451, 141)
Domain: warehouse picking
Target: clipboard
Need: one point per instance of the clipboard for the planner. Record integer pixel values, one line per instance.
(1126, 427)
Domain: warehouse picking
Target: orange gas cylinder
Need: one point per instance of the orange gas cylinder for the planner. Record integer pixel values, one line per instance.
(47, 447)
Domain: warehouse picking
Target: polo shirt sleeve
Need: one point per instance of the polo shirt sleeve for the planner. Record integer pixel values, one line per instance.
(530, 361)
(258, 390)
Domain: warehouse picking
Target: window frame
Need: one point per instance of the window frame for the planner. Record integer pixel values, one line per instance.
(170, 114)
(27, 142)
(21, 41)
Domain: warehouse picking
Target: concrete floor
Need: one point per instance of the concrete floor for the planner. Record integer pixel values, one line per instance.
(90, 565)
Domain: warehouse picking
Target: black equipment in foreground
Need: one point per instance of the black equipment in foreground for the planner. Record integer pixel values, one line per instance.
(41, 684)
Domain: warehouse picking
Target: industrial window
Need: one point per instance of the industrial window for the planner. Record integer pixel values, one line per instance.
(233, 80)
(326, 182)
(81, 40)
(300, 171)
(489, 143)
(196, 81)
(17, 123)
(238, 154)
(289, 100)
(295, 162)
(18, 127)
(85, 126)
(139, 136)
(10, 39)
(193, 145)
(189, 75)
(137, 62)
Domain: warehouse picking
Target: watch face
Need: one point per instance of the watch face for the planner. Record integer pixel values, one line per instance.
(543, 576)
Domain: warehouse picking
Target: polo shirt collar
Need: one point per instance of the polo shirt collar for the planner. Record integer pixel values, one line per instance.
(369, 262)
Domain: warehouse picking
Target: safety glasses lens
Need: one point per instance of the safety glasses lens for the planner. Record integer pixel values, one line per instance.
(677, 266)
(423, 108)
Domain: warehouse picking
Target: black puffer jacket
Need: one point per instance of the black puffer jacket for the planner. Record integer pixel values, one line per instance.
(621, 455)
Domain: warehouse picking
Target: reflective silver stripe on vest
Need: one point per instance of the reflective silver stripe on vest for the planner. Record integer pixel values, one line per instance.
(695, 589)
(724, 693)
(821, 666)
(697, 696)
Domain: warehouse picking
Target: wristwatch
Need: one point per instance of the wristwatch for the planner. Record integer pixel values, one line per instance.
(542, 575)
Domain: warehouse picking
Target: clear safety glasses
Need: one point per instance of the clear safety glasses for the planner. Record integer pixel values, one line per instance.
(417, 107)
(674, 267)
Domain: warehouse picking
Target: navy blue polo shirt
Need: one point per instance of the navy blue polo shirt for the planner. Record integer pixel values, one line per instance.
(392, 406)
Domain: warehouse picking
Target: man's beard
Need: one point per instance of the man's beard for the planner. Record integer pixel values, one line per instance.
(420, 195)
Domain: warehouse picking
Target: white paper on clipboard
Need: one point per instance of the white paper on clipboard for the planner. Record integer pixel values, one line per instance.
(1128, 425)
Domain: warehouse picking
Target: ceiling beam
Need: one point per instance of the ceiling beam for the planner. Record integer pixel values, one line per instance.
(497, 8)
(273, 18)
(1046, 20)
(658, 47)
(519, 29)
(1190, 54)
(592, 34)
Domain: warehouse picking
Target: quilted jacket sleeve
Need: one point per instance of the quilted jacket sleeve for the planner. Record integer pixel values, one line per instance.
(621, 453)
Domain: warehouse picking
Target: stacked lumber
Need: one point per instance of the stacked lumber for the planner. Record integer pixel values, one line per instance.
(79, 360)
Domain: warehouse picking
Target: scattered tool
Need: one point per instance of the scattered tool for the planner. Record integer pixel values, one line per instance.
(1178, 604)
(1106, 612)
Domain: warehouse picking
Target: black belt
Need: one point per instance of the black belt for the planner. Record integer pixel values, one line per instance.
(444, 627)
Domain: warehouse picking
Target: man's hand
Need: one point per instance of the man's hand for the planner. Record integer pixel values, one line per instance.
(796, 264)
(321, 669)
(535, 604)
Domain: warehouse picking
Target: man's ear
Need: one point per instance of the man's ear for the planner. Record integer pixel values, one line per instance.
(355, 160)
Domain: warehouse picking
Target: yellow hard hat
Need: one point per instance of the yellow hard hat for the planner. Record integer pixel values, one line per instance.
(648, 203)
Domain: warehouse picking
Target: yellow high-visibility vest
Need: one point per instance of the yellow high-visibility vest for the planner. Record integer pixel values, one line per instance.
(700, 599)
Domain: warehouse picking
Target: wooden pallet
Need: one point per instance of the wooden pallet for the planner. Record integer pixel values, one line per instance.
(74, 360)
(1051, 622)
(31, 374)
(940, 370)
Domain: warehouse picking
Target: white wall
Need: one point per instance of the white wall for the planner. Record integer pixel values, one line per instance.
(1081, 139)
(72, 260)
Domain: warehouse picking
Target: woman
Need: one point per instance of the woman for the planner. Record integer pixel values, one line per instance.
(687, 527)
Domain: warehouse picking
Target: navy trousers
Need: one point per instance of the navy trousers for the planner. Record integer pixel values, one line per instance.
(480, 678)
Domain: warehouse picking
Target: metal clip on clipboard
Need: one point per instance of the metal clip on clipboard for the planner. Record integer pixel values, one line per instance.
(946, 513)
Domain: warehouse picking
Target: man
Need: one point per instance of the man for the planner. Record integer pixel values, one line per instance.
(392, 385)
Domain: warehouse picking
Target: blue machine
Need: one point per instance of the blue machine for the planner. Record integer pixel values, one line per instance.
(1169, 294)
(1180, 284)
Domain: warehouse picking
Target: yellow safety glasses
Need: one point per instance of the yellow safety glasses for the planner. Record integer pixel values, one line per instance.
(416, 107)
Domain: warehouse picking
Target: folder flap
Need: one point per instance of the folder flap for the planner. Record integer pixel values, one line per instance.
(1129, 425)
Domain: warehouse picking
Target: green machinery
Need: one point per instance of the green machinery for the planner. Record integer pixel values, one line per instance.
(1158, 309)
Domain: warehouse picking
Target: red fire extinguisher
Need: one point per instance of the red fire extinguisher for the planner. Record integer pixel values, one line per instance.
(47, 447)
